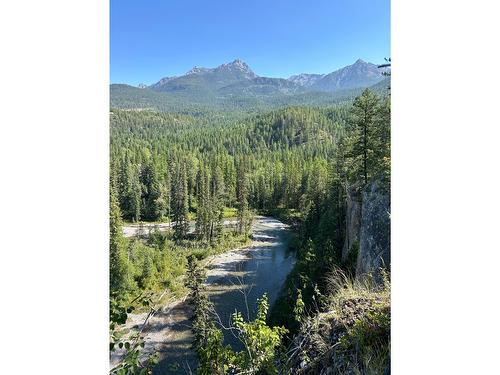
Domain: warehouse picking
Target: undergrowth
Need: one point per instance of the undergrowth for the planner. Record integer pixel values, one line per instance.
(157, 264)
(352, 333)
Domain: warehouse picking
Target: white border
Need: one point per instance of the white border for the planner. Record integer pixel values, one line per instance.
(445, 203)
(54, 153)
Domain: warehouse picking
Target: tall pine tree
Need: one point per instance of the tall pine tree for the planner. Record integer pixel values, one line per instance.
(244, 215)
(180, 203)
(364, 141)
(120, 274)
(203, 213)
(218, 195)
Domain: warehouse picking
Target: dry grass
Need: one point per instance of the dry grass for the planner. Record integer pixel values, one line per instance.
(352, 335)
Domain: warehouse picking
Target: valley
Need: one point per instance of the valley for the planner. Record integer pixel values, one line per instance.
(235, 87)
(246, 213)
(258, 268)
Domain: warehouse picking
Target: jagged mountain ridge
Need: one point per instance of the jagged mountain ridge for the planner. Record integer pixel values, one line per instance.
(238, 73)
(359, 74)
(206, 79)
(234, 85)
(306, 79)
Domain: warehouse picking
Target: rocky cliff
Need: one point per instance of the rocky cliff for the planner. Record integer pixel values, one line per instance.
(375, 230)
(352, 225)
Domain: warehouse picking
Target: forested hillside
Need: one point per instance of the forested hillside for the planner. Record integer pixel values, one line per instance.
(319, 168)
(282, 151)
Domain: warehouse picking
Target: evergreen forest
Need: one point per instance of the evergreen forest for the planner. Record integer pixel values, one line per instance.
(192, 181)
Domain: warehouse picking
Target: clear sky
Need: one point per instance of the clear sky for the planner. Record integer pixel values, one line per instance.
(151, 39)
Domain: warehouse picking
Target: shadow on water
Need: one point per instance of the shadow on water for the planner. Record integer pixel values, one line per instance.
(238, 290)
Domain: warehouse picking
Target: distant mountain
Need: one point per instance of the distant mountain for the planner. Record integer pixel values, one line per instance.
(306, 80)
(383, 87)
(206, 79)
(359, 74)
(234, 86)
(158, 85)
(262, 86)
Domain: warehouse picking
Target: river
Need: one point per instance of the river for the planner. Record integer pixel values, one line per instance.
(234, 282)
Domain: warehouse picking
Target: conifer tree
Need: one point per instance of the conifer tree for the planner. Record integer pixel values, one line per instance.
(154, 207)
(130, 191)
(230, 182)
(180, 203)
(291, 184)
(244, 215)
(364, 142)
(167, 192)
(134, 196)
(383, 135)
(118, 270)
(208, 340)
(204, 214)
(217, 201)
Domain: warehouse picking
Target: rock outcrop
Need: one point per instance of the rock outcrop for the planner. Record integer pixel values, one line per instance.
(352, 223)
(354, 326)
(375, 232)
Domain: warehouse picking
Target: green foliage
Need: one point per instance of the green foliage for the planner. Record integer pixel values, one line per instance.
(294, 162)
(158, 157)
(180, 204)
(115, 241)
(213, 357)
(135, 99)
(210, 191)
(156, 262)
(120, 272)
(351, 335)
(369, 142)
(370, 332)
(367, 321)
(261, 341)
(130, 191)
(244, 215)
(299, 309)
(133, 360)
(322, 224)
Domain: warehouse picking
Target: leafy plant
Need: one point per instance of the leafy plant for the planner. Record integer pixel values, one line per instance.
(133, 360)
(260, 341)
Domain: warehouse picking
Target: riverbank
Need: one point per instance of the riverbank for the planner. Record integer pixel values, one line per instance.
(144, 229)
(170, 316)
(131, 229)
(168, 330)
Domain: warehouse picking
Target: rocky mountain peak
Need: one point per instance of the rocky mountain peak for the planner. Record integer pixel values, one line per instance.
(359, 74)
(237, 66)
(197, 70)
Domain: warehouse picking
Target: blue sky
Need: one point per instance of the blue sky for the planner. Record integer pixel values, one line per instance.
(151, 39)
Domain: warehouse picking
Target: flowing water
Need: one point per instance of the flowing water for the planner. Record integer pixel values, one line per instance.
(234, 282)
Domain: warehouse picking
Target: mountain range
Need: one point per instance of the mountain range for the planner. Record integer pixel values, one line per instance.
(235, 85)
